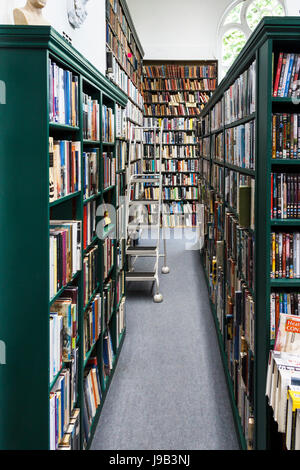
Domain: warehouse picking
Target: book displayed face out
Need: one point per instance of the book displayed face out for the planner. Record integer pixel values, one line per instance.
(288, 335)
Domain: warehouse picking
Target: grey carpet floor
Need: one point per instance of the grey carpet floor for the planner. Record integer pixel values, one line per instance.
(169, 390)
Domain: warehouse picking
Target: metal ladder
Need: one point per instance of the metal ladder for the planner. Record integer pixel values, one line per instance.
(138, 181)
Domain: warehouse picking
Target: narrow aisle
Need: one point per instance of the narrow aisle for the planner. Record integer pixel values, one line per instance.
(169, 390)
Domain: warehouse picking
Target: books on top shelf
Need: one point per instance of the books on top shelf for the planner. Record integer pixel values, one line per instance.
(286, 75)
(175, 97)
(180, 71)
(92, 395)
(285, 255)
(63, 95)
(64, 168)
(65, 253)
(286, 136)
(108, 125)
(239, 99)
(91, 118)
(285, 195)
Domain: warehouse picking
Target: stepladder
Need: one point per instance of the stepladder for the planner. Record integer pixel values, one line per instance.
(143, 213)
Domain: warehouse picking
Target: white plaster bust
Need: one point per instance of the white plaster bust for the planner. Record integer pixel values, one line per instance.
(31, 14)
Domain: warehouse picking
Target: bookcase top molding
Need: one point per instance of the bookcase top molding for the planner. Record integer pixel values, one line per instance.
(46, 37)
(270, 27)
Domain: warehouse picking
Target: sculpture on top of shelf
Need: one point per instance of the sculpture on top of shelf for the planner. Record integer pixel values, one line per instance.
(77, 12)
(31, 13)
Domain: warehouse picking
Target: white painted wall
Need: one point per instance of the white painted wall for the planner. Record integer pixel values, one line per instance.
(89, 39)
(177, 29)
(293, 7)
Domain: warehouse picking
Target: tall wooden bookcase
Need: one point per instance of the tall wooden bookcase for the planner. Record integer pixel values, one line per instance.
(25, 214)
(272, 35)
(161, 91)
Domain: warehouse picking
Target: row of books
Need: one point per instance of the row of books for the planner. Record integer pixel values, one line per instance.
(172, 166)
(64, 421)
(240, 196)
(90, 266)
(179, 221)
(108, 125)
(240, 145)
(108, 355)
(134, 113)
(90, 173)
(286, 135)
(108, 301)
(178, 193)
(217, 144)
(89, 223)
(216, 117)
(287, 75)
(180, 71)
(109, 170)
(91, 118)
(63, 330)
(204, 147)
(204, 125)
(161, 84)
(174, 124)
(121, 321)
(183, 179)
(65, 253)
(282, 302)
(108, 256)
(122, 80)
(120, 288)
(178, 138)
(116, 51)
(240, 98)
(285, 255)
(92, 324)
(121, 122)
(121, 155)
(135, 151)
(171, 151)
(167, 110)
(63, 95)
(92, 395)
(64, 168)
(285, 195)
(177, 97)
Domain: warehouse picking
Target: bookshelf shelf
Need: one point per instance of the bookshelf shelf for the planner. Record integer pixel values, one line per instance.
(25, 49)
(282, 161)
(285, 283)
(285, 222)
(62, 127)
(239, 122)
(58, 294)
(65, 199)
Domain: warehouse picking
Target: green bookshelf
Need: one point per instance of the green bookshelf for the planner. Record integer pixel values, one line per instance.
(271, 36)
(26, 212)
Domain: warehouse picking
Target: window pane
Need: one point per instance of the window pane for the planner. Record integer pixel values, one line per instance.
(260, 8)
(232, 43)
(234, 16)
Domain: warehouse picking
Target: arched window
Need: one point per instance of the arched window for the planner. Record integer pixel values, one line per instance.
(237, 24)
